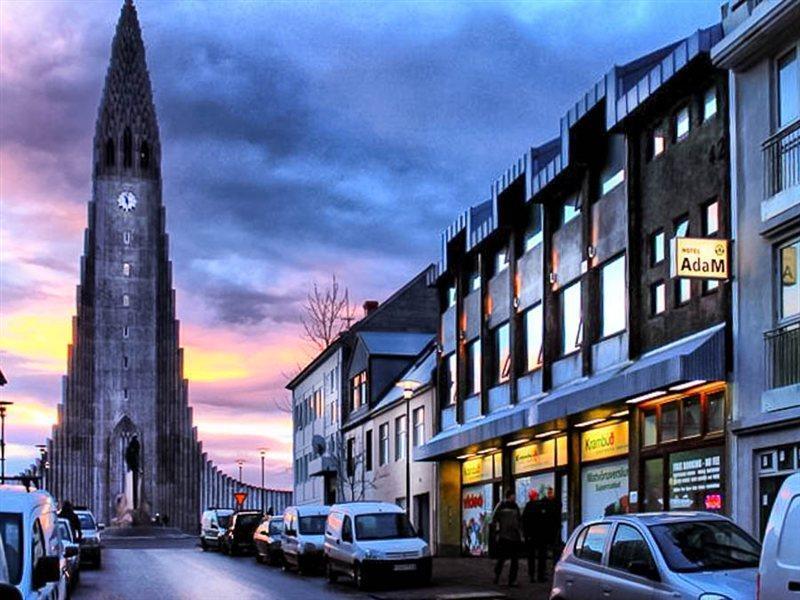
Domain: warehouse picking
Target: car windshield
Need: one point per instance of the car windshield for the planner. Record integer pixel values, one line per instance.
(63, 529)
(275, 526)
(87, 521)
(224, 521)
(11, 533)
(705, 546)
(248, 520)
(384, 526)
(313, 525)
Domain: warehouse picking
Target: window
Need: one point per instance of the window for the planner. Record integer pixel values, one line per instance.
(682, 123)
(658, 298)
(451, 296)
(144, 155)
(685, 546)
(628, 548)
(450, 379)
(571, 318)
(127, 148)
(474, 280)
(502, 354)
(709, 104)
(126, 301)
(400, 426)
(474, 367)
(533, 232)
(126, 238)
(358, 391)
(368, 450)
(570, 209)
(653, 485)
(649, 429)
(657, 143)
(38, 547)
(611, 182)
(692, 419)
(124, 362)
(656, 247)
(11, 536)
(125, 393)
(351, 457)
(716, 411)
(669, 422)
(419, 426)
(789, 284)
(591, 542)
(125, 332)
(533, 337)
(788, 89)
(683, 286)
(711, 218)
(501, 260)
(612, 285)
(383, 440)
(347, 530)
(126, 269)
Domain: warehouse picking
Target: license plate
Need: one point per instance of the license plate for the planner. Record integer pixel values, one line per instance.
(410, 567)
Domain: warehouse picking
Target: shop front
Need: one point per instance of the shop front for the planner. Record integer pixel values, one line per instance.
(542, 466)
(481, 479)
(604, 471)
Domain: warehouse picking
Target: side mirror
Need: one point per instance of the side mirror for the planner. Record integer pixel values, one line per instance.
(70, 551)
(47, 570)
(101, 526)
(10, 592)
(642, 568)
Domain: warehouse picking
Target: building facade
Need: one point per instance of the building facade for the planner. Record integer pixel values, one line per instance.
(761, 48)
(581, 352)
(321, 397)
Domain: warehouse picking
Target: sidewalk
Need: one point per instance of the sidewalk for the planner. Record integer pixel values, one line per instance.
(469, 579)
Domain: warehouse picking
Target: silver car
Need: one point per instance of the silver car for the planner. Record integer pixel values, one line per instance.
(655, 556)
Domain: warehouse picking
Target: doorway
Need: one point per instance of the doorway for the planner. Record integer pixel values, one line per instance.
(422, 515)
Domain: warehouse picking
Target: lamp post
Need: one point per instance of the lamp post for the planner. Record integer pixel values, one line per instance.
(263, 453)
(240, 463)
(42, 448)
(409, 386)
(4, 404)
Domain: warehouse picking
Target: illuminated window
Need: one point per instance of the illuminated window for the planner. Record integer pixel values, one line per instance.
(710, 104)
(611, 182)
(533, 337)
(533, 231)
(656, 247)
(450, 378)
(571, 318)
(658, 298)
(126, 269)
(658, 142)
(502, 354)
(683, 286)
(711, 218)
(474, 279)
(612, 287)
(451, 296)
(501, 260)
(682, 123)
(474, 367)
(358, 390)
(570, 209)
(789, 281)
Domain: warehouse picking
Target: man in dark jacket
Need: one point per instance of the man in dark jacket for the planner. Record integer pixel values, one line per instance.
(506, 521)
(533, 518)
(68, 513)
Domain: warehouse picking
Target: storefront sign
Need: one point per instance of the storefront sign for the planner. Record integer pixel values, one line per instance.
(695, 479)
(604, 442)
(701, 258)
(534, 457)
(604, 490)
(477, 469)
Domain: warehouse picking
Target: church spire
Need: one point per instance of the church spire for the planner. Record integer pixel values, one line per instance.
(126, 136)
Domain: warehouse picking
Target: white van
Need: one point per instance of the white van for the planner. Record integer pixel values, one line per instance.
(303, 537)
(213, 525)
(32, 566)
(779, 567)
(368, 541)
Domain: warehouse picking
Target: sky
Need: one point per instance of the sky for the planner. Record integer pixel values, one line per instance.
(299, 140)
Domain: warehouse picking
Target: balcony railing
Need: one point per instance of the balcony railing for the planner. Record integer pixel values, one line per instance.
(782, 160)
(782, 355)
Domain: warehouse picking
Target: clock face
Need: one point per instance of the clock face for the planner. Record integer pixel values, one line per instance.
(126, 201)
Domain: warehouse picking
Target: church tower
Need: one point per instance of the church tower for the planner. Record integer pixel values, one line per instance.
(124, 438)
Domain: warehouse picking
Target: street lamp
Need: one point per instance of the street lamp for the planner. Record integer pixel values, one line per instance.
(240, 463)
(4, 404)
(409, 386)
(263, 453)
(42, 448)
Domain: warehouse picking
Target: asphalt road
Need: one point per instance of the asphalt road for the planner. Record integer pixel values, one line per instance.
(141, 568)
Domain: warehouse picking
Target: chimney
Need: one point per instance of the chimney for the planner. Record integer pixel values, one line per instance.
(370, 306)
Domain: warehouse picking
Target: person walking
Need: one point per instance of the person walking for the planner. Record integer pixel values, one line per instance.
(533, 520)
(506, 521)
(551, 529)
(68, 513)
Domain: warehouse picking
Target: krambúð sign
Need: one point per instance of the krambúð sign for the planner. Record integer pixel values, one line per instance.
(699, 258)
(604, 442)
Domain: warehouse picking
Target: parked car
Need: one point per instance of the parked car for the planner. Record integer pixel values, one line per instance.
(371, 541)
(686, 555)
(779, 567)
(238, 538)
(91, 547)
(267, 539)
(213, 525)
(303, 537)
(32, 566)
(72, 553)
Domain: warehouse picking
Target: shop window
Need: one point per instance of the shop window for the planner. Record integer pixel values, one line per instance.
(570, 209)
(709, 104)
(788, 88)
(653, 485)
(571, 319)
(789, 284)
(383, 441)
(629, 548)
(612, 288)
(591, 543)
(502, 354)
(650, 429)
(368, 450)
(692, 417)
(474, 367)
(533, 231)
(682, 123)
(658, 298)
(656, 247)
(533, 337)
(716, 411)
(669, 422)
(450, 378)
(695, 479)
(400, 427)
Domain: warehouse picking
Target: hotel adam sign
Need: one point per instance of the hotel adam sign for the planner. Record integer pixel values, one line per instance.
(700, 258)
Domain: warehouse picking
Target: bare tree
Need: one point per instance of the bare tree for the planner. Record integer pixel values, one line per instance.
(326, 314)
(353, 480)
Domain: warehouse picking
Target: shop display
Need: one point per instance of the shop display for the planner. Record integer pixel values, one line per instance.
(604, 490)
(476, 511)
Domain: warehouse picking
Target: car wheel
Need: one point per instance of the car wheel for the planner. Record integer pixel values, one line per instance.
(362, 583)
(330, 573)
(204, 544)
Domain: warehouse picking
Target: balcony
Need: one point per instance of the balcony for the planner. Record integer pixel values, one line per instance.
(782, 356)
(782, 160)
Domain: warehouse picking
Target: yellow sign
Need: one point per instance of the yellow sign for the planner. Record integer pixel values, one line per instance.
(561, 450)
(699, 258)
(477, 469)
(534, 457)
(789, 265)
(604, 442)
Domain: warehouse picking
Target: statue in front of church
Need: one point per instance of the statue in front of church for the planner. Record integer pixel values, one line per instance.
(132, 462)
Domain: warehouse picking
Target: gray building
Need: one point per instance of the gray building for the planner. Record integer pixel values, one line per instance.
(761, 48)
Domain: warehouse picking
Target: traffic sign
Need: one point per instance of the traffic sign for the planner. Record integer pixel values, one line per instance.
(240, 497)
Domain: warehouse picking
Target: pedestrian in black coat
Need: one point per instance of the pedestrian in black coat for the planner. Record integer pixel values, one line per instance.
(534, 518)
(506, 521)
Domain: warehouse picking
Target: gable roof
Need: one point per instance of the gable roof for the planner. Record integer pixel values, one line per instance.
(394, 343)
